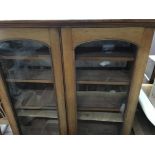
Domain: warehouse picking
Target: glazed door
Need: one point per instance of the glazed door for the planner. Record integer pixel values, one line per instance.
(31, 81)
(102, 78)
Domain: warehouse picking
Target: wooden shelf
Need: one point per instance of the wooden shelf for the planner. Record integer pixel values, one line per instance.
(38, 113)
(107, 77)
(28, 81)
(18, 57)
(36, 107)
(117, 56)
(32, 76)
(36, 99)
(100, 116)
(100, 101)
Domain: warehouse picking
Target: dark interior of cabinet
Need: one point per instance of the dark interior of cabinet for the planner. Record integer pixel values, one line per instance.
(28, 73)
(103, 74)
(98, 128)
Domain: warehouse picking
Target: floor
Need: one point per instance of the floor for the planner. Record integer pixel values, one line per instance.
(142, 125)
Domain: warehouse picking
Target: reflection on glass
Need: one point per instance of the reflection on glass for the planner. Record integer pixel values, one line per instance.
(23, 47)
(26, 67)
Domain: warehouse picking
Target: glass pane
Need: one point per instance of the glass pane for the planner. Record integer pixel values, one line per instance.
(103, 72)
(104, 48)
(23, 47)
(26, 65)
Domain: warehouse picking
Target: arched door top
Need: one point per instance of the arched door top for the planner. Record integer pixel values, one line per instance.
(101, 47)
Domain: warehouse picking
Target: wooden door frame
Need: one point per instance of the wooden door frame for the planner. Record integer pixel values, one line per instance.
(71, 37)
(51, 38)
(58, 78)
(70, 80)
(7, 106)
(137, 79)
